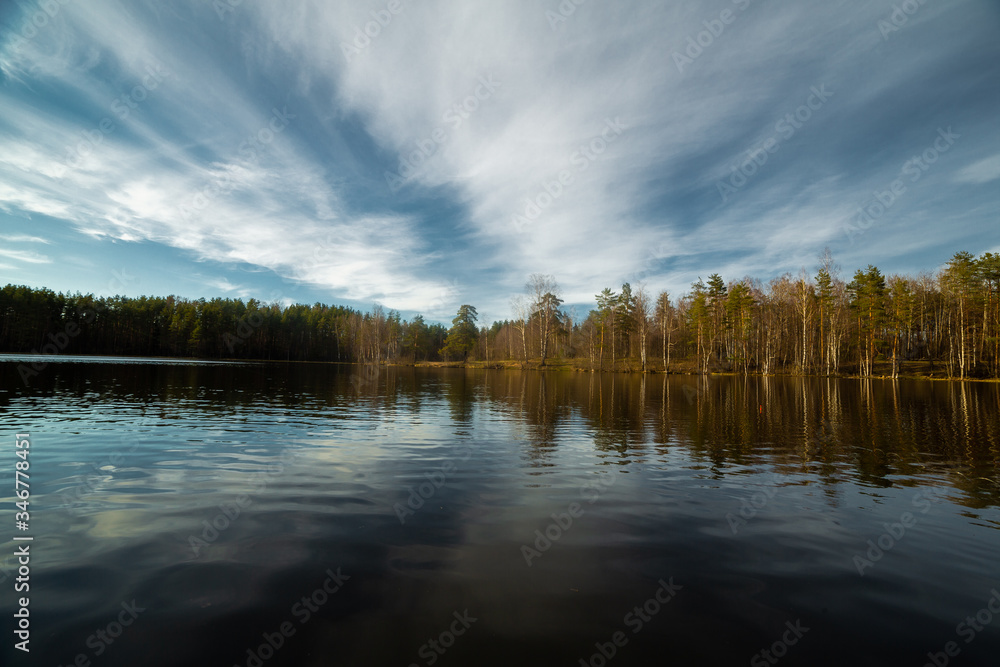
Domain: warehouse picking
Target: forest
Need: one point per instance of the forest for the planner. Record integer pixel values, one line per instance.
(946, 324)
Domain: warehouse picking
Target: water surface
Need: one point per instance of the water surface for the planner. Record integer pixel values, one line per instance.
(829, 522)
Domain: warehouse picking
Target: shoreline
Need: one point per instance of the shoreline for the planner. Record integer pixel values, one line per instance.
(564, 366)
(561, 365)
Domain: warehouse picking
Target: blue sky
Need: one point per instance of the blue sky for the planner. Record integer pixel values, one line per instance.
(276, 150)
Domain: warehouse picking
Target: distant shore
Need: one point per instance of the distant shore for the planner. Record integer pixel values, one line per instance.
(910, 370)
(913, 370)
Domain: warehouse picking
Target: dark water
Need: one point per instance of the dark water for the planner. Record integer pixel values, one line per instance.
(745, 505)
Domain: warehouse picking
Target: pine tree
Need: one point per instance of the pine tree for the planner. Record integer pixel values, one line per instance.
(867, 292)
(464, 333)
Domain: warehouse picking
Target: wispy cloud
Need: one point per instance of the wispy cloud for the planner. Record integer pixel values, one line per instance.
(198, 165)
(983, 171)
(22, 238)
(24, 256)
(221, 284)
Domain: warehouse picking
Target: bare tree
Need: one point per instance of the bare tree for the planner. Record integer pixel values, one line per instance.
(544, 292)
(519, 308)
(664, 315)
(804, 296)
(641, 306)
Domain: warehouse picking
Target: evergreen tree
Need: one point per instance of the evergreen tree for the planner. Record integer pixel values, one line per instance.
(867, 292)
(463, 335)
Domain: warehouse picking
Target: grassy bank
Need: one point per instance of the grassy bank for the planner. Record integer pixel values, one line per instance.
(912, 370)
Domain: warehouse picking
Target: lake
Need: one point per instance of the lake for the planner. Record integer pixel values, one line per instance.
(187, 513)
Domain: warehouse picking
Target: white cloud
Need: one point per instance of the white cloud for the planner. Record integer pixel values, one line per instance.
(980, 172)
(140, 183)
(557, 89)
(304, 208)
(24, 256)
(22, 238)
(221, 284)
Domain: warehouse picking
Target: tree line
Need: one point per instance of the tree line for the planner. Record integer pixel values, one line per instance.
(872, 324)
(42, 321)
(816, 324)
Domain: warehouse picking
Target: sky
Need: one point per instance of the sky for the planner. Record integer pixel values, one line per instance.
(422, 154)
